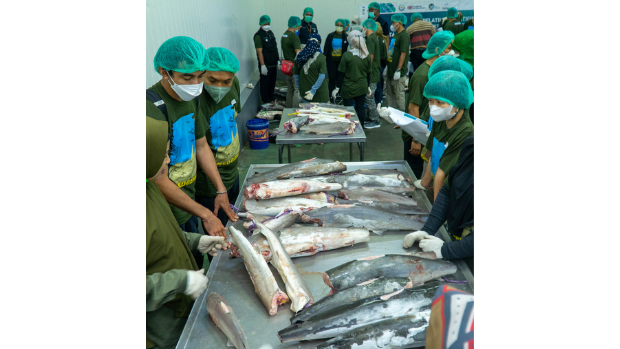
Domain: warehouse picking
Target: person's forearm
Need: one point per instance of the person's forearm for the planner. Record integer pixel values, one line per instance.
(207, 163)
(459, 249)
(176, 197)
(164, 287)
(192, 240)
(339, 79)
(318, 83)
(259, 51)
(401, 60)
(440, 176)
(438, 213)
(372, 58)
(413, 109)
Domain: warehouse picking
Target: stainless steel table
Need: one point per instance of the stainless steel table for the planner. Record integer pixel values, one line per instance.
(228, 277)
(302, 137)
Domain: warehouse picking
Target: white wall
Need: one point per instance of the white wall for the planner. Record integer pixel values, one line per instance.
(230, 24)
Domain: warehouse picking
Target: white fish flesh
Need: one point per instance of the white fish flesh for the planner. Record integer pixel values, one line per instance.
(286, 188)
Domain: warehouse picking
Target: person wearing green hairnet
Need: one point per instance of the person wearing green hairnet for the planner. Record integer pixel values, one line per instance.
(454, 22)
(220, 103)
(347, 26)
(374, 50)
(420, 33)
(181, 63)
(335, 46)
(437, 46)
(268, 58)
(449, 97)
(374, 10)
(291, 45)
(463, 46)
(396, 73)
(307, 26)
(173, 280)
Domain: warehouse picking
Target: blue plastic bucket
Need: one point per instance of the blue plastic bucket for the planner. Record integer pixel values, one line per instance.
(258, 133)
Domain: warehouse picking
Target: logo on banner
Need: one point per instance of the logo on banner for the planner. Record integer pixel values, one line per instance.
(401, 7)
(431, 6)
(409, 7)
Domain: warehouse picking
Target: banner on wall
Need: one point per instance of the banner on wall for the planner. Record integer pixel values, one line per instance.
(431, 11)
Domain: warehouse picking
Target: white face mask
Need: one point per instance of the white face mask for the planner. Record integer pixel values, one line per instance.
(266, 28)
(339, 29)
(394, 27)
(186, 92)
(452, 53)
(442, 114)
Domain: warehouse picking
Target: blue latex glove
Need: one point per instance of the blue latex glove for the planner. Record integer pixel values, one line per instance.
(317, 84)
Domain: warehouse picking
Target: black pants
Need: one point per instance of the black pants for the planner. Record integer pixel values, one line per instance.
(268, 84)
(379, 91)
(359, 107)
(332, 75)
(415, 162)
(415, 57)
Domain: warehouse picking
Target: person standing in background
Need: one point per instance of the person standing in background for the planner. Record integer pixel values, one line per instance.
(463, 45)
(335, 45)
(383, 41)
(310, 70)
(181, 62)
(353, 73)
(291, 45)
(220, 103)
(347, 26)
(374, 10)
(420, 33)
(308, 27)
(397, 69)
(454, 22)
(356, 24)
(374, 50)
(268, 58)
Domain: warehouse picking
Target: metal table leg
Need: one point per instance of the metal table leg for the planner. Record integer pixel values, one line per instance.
(289, 153)
(280, 148)
(361, 147)
(351, 152)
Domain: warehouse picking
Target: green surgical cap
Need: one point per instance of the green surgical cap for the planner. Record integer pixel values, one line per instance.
(221, 59)
(294, 22)
(464, 43)
(370, 24)
(181, 54)
(438, 43)
(374, 5)
(452, 12)
(416, 16)
(308, 9)
(342, 21)
(444, 63)
(451, 87)
(346, 22)
(399, 17)
(264, 19)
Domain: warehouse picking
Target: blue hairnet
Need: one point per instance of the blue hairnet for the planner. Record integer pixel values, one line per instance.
(438, 42)
(181, 54)
(451, 87)
(221, 59)
(399, 17)
(452, 12)
(342, 21)
(294, 22)
(370, 24)
(416, 16)
(264, 19)
(451, 63)
(308, 9)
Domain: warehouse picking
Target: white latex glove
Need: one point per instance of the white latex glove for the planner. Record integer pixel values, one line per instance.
(385, 73)
(196, 283)
(369, 92)
(263, 69)
(418, 184)
(432, 244)
(397, 75)
(210, 244)
(279, 65)
(308, 96)
(335, 92)
(410, 239)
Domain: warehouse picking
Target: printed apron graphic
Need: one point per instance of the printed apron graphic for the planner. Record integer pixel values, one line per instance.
(391, 50)
(337, 47)
(224, 135)
(182, 169)
(438, 150)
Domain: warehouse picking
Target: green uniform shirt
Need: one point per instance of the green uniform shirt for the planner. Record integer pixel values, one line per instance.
(289, 42)
(455, 27)
(374, 49)
(383, 48)
(337, 50)
(258, 43)
(399, 43)
(223, 138)
(453, 138)
(306, 81)
(184, 128)
(416, 93)
(355, 71)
